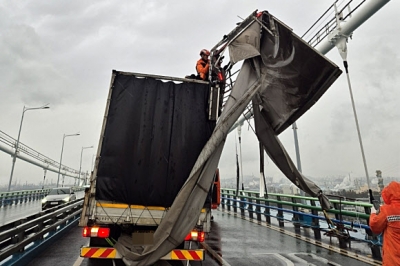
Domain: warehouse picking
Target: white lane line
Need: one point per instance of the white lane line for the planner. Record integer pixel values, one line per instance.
(298, 259)
(322, 259)
(78, 261)
(279, 256)
(288, 262)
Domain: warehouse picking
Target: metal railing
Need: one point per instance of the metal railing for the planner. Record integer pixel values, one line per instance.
(328, 21)
(18, 242)
(18, 197)
(348, 216)
(299, 210)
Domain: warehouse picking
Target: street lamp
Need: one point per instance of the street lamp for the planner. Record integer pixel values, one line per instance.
(80, 164)
(62, 148)
(19, 134)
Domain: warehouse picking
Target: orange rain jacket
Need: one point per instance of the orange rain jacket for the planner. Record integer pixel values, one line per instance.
(202, 68)
(388, 222)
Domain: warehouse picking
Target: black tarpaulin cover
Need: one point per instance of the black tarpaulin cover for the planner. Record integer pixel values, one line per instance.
(295, 76)
(154, 133)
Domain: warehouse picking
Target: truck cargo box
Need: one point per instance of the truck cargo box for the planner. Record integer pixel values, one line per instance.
(153, 134)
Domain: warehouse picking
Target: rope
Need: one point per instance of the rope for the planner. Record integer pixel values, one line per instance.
(248, 120)
(115, 223)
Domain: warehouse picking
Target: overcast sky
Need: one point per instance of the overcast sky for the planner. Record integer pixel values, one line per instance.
(63, 52)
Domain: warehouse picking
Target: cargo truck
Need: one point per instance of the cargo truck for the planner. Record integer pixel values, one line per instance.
(153, 130)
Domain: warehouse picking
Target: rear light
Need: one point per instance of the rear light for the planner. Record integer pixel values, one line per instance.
(101, 232)
(195, 236)
(201, 237)
(86, 232)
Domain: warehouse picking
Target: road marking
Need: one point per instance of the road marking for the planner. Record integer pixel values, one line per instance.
(288, 262)
(279, 256)
(327, 262)
(296, 258)
(78, 261)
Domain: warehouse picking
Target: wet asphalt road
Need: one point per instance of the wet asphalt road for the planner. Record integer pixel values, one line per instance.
(246, 243)
(239, 241)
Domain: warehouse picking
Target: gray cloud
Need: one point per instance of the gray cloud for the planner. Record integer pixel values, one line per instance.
(62, 53)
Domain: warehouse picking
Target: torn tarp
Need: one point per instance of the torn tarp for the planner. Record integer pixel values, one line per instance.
(246, 45)
(281, 158)
(294, 77)
(295, 74)
(283, 81)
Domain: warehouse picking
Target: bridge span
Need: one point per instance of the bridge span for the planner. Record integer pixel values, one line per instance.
(237, 238)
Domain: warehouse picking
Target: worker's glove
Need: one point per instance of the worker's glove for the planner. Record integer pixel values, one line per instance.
(373, 210)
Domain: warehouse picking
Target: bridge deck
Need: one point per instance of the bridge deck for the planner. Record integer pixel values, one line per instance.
(240, 242)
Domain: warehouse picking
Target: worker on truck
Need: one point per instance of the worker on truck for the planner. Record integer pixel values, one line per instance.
(203, 64)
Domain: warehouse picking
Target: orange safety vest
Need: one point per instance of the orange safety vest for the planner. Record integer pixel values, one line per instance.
(202, 69)
(387, 221)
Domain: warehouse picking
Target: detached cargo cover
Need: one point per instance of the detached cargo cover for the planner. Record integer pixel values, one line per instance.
(153, 134)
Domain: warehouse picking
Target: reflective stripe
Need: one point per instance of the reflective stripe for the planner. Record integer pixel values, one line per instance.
(182, 254)
(107, 253)
(111, 253)
(194, 255)
(126, 206)
(104, 253)
(88, 252)
(98, 253)
(393, 218)
(177, 255)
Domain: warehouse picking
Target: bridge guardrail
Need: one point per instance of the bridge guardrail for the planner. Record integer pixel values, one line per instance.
(20, 240)
(17, 197)
(292, 208)
(301, 214)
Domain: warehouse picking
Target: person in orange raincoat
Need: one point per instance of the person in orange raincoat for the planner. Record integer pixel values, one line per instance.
(387, 220)
(202, 65)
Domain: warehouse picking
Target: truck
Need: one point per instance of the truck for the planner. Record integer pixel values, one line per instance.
(153, 130)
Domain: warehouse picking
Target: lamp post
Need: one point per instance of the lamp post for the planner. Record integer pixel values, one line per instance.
(80, 164)
(62, 149)
(19, 134)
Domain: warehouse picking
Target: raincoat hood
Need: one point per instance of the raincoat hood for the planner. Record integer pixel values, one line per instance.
(391, 193)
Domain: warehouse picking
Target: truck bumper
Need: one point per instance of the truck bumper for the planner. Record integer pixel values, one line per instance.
(112, 253)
